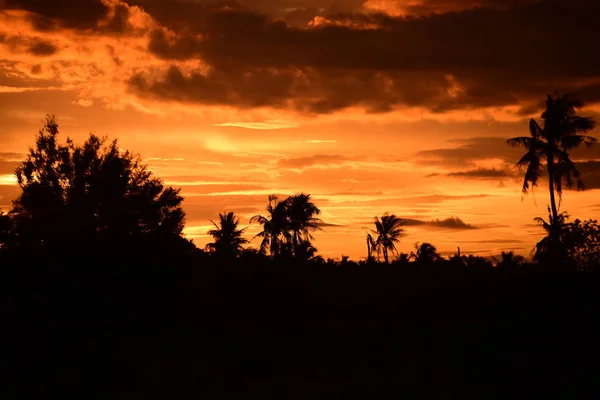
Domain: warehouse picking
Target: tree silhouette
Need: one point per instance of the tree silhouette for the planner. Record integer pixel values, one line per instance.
(370, 247)
(228, 238)
(509, 259)
(583, 243)
(550, 142)
(389, 232)
(553, 248)
(274, 225)
(426, 253)
(477, 262)
(287, 227)
(90, 196)
(301, 218)
(5, 230)
(304, 251)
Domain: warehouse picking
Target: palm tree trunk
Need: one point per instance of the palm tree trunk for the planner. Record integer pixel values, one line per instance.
(295, 243)
(551, 187)
(385, 255)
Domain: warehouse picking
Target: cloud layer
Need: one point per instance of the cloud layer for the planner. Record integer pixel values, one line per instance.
(314, 56)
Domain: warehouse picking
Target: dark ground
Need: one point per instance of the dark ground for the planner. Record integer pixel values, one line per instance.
(108, 331)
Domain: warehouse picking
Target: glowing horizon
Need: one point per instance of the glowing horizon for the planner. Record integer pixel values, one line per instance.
(347, 101)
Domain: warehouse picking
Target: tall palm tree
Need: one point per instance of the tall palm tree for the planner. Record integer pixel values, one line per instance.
(389, 232)
(560, 131)
(301, 214)
(275, 226)
(228, 238)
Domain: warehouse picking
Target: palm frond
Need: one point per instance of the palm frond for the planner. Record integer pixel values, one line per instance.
(572, 141)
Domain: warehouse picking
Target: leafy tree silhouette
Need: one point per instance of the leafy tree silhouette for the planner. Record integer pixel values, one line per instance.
(389, 232)
(228, 238)
(94, 196)
(560, 131)
(583, 243)
(5, 230)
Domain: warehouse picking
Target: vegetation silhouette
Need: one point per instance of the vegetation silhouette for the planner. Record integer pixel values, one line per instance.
(425, 253)
(389, 231)
(228, 237)
(551, 141)
(287, 229)
(508, 259)
(100, 293)
(90, 199)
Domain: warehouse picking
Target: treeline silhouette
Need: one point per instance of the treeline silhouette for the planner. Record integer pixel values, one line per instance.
(103, 297)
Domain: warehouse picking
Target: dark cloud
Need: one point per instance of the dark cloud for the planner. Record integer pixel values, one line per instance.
(180, 49)
(428, 7)
(81, 14)
(321, 56)
(31, 45)
(190, 15)
(454, 223)
(42, 48)
(442, 61)
(319, 159)
(590, 173)
(468, 151)
(484, 173)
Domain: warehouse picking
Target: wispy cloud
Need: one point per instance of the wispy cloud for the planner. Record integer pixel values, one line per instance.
(315, 141)
(266, 125)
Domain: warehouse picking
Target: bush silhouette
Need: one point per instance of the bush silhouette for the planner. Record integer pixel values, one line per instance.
(90, 198)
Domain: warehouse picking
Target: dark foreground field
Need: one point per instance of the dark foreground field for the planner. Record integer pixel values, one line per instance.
(118, 331)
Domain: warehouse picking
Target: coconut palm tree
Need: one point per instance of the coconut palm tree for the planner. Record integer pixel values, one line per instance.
(301, 218)
(228, 238)
(305, 251)
(275, 226)
(389, 232)
(508, 259)
(426, 253)
(550, 141)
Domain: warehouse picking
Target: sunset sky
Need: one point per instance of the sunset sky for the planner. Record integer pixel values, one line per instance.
(370, 106)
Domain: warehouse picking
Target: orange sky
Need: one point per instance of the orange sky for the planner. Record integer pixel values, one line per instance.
(370, 106)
